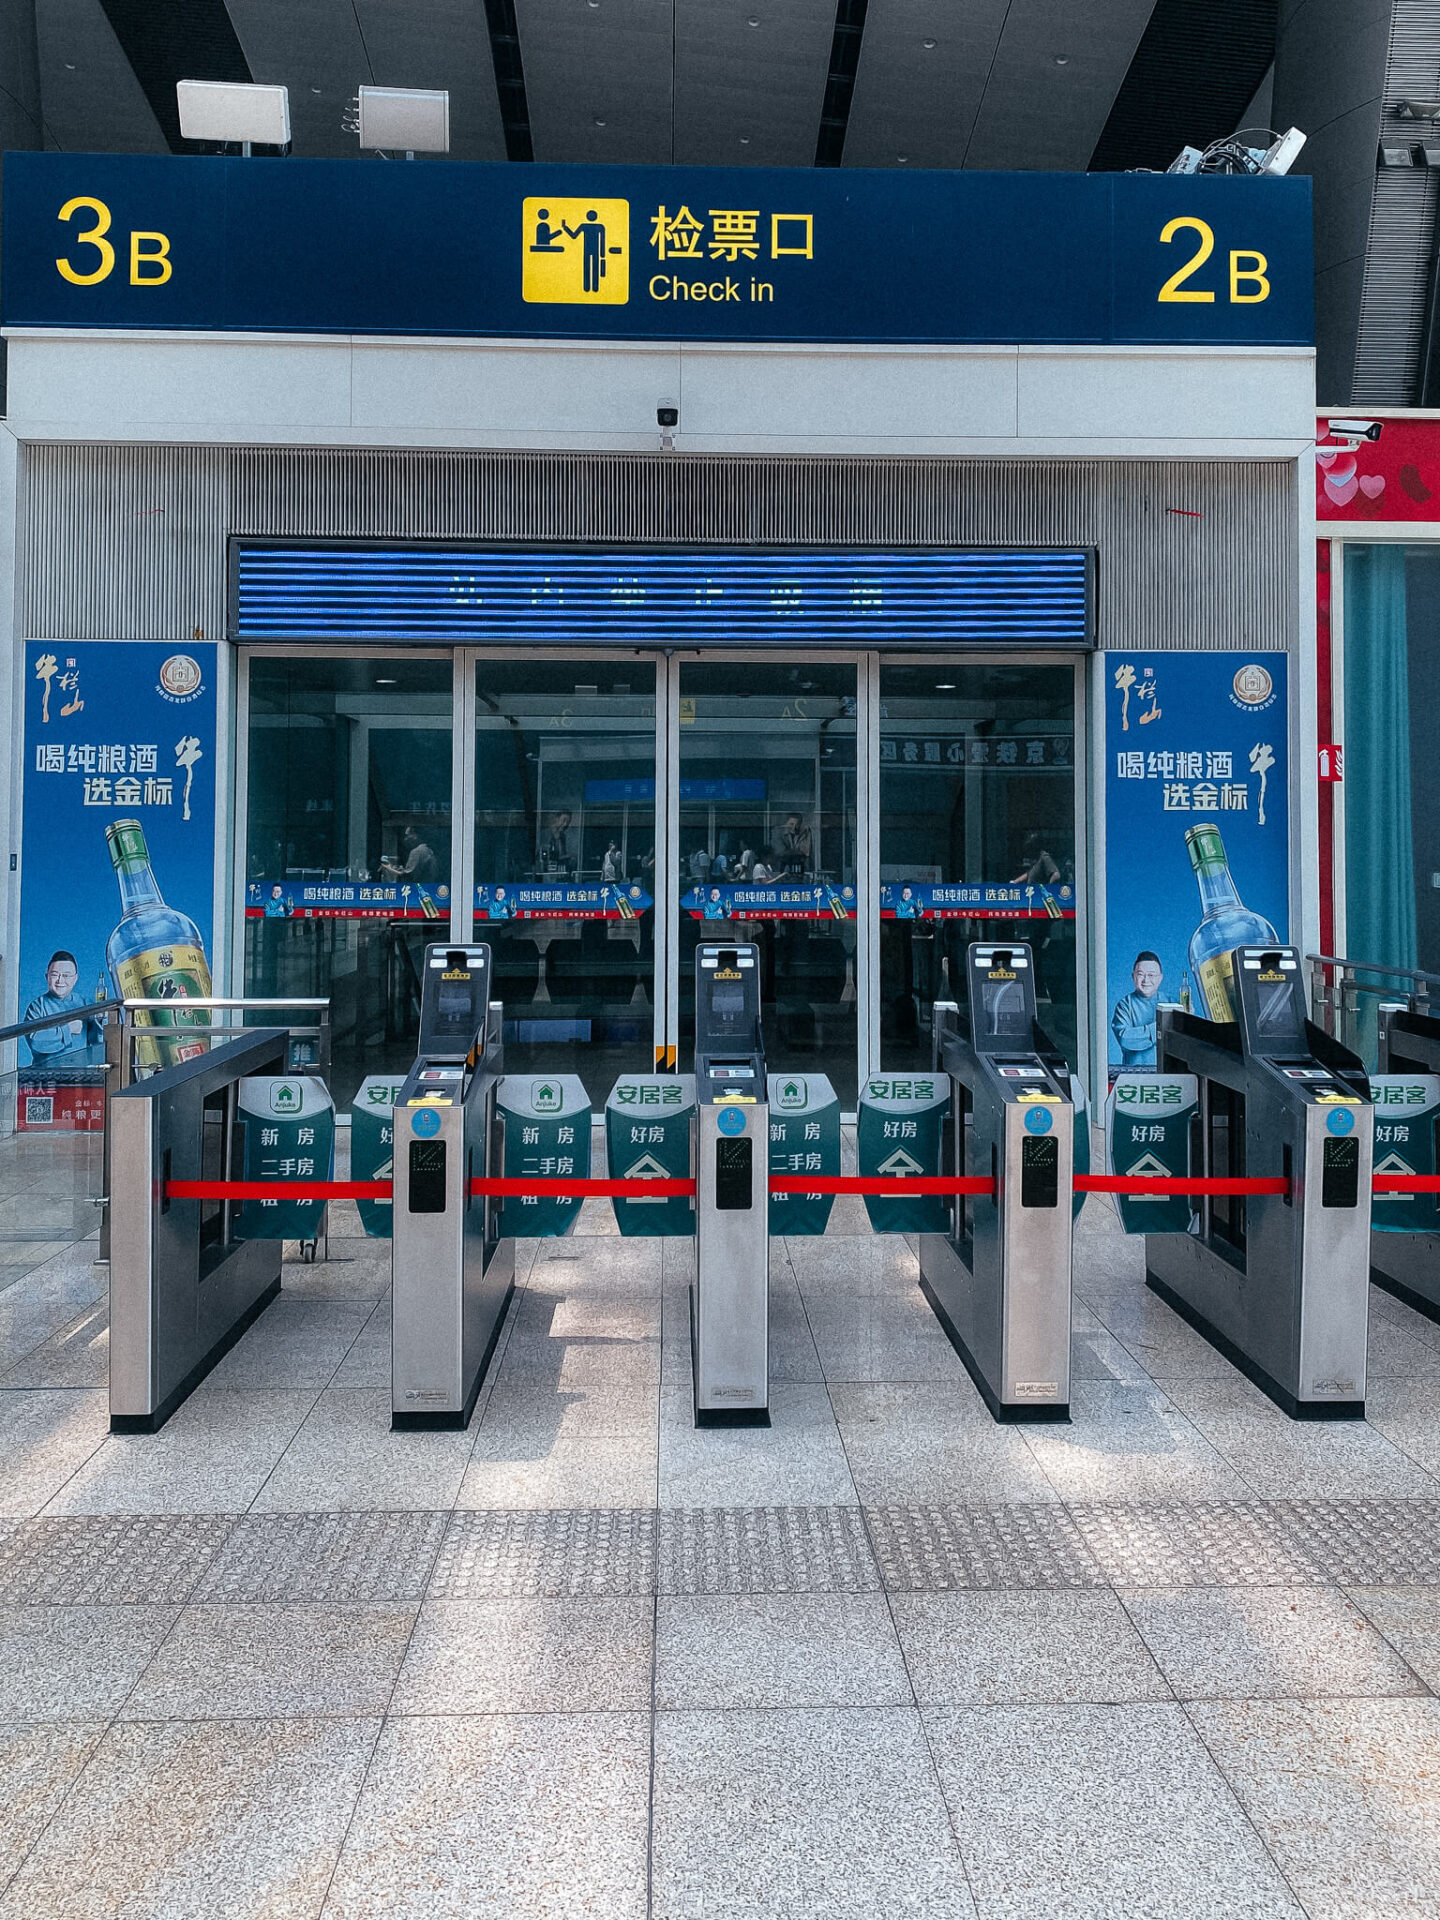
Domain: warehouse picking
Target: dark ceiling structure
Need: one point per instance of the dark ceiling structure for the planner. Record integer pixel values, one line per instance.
(1066, 84)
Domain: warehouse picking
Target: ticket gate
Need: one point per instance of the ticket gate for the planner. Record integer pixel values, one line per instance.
(452, 1266)
(730, 1297)
(1277, 1282)
(999, 1280)
(183, 1285)
(1405, 1241)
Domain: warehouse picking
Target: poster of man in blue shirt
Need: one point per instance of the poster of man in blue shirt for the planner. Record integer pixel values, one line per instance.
(1133, 1022)
(61, 1046)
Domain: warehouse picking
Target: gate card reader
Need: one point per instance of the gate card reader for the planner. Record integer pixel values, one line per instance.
(1405, 1248)
(1279, 1283)
(730, 1302)
(1000, 1279)
(452, 1270)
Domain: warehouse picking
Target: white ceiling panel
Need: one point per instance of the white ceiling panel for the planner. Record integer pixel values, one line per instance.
(750, 95)
(1038, 112)
(439, 43)
(92, 101)
(314, 48)
(598, 79)
(921, 78)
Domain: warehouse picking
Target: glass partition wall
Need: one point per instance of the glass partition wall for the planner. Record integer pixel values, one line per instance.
(348, 843)
(860, 819)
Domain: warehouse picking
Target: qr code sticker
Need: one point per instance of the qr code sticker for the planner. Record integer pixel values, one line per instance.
(40, 1110)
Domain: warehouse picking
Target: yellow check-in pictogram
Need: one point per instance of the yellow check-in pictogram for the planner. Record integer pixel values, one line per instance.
(575, 252)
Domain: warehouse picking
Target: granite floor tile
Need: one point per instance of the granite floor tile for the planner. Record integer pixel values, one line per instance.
(212, 1456)
(1284, 1459)
(829, 1813)
(325, 1557)
(201, 1818)
(932, 1443)
(815, 1549)
(77, 1356)
(777, 1650)
(515, 1554)
(252, 1662)
(547, 1655)
(46, 1435)
(595, 1266)
(520, 1816)
(346, 1459)
(598, 1470)
(1218, 1643)
(1129, 1443)
(1095, 1354)
(75, 1663)
(1033, 1545)
(1409, 1618)
(606, 1321)
(1396, 1351)
(1406, 1411)
(1014, 1649)
(296, 1343)
(47, 1299)
(882, 1339)
(39, 1762)
(601, 1397)
(1343, 1794)
(358, 1268)
(107, 1560)
(796, 1461)
(1087, 1812)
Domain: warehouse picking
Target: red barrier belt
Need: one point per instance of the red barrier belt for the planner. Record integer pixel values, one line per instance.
(584, 1189)
(1143, 1184)
(1407, 1182)
(278, 1190)
(895, 1186)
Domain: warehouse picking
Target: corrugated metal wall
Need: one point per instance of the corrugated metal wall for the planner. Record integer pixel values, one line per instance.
(130, 542)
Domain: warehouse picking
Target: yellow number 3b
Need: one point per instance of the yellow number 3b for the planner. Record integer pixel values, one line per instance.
(150, 263)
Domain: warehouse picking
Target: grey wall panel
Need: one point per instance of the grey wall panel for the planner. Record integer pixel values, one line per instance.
(130, 542)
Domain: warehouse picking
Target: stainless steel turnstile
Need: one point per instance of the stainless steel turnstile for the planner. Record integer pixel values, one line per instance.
(182, 1288)
(452, 1267)
(1277, 1282)
(1405, 1252)
(999, 1281)
(730, 1298)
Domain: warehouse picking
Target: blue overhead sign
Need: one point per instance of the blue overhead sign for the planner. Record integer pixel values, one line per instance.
(679, 253)
(625, 596)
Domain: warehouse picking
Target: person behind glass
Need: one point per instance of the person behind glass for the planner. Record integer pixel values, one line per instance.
(612, 867)
(61, 1045)
(744, 860)
(795, 845)
(700, 864)
(768, 868)
(1039, 863)
(416, 861)
(555, 854)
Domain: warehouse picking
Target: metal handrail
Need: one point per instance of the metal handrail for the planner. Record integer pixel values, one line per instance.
(26, 1027)
(215, 1000)
(1371, 966)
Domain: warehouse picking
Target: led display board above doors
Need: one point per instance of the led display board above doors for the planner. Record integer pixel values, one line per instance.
(667, 597)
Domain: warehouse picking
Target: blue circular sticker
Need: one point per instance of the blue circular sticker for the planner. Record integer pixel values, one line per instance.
(732, 1120)
(426, 1123)
(1342, 1120)
(1037, 1120)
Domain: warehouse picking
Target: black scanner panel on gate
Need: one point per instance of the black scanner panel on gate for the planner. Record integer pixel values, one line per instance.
(454, 999)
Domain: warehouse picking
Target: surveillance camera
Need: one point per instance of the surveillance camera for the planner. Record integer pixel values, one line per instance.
(667, 416)
(1356, 429)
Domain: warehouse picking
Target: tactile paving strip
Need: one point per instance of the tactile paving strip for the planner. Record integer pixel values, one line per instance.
(765, 1550)
(326, 1556)
(1367, 1542)
(109, 1560)
(937, 1549)
(1222, 1543)
(570, 1551)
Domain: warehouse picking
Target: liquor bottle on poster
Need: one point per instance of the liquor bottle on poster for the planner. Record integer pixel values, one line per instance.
(155, 953)
(1227, 923)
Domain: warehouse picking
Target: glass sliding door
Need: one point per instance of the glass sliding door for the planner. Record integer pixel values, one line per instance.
(565, 861)
(767, 849)
(976, 839)
(347, 861)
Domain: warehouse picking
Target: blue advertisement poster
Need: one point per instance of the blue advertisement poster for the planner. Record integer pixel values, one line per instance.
(117, 865)
(1197, 831)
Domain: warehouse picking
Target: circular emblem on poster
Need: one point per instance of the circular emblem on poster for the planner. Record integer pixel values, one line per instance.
(180, 676)
(1253, 685)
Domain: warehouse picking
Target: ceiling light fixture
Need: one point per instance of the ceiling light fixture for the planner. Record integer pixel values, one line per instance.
(944, 686)
(384, 683)
(928, 45)
(598, 121)
(902, 159)
(1062, 59)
